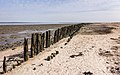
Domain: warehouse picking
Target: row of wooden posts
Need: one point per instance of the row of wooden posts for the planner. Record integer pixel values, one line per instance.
(39, 41)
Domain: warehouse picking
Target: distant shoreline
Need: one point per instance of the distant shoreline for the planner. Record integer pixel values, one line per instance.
(34, 23)
(48, 23)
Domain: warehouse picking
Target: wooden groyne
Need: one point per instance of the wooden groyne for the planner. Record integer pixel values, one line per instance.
(39, 41)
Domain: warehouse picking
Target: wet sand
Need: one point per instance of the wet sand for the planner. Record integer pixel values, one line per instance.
(12, 35)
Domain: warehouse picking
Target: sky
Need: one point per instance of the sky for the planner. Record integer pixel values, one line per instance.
(59, 10)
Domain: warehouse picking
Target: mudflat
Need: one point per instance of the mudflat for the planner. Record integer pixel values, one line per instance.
(7, 29)
(12, 35)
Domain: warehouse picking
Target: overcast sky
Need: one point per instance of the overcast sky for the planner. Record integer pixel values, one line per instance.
(60, 10)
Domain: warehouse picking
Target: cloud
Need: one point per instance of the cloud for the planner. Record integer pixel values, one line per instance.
(61, 5)
(59, 10)
(89, 5)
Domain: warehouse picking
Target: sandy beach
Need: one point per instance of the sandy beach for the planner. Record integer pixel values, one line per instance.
(94, 50)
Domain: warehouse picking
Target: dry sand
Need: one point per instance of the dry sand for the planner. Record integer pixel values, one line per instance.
(91, 50)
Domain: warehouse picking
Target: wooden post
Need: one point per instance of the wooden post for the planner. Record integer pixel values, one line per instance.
(49, 39)
(47, 35)
(58, 34)
(55, 34)
(39, 43)
(52, 37)
(42, 41)
(32, 45)
(25, 49)
(68, 28)
(65, 32)
(4, 65)
(35, 44)
(62, 33)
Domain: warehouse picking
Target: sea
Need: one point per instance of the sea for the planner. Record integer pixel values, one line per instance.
(34, 23)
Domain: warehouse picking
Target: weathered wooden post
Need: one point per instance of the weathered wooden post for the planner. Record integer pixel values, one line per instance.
(55, 34)
(39, 43)
(62, 33)
(52, 37)
(35, 44)
(49, 39)
(4, 65)
(25, 49)
(65, 31)
(68, 30)
(71, 29)
(58, 34)
(32, 45)
(47, 35)
(42, 41)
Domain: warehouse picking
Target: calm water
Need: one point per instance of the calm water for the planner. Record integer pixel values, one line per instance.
(32, 23)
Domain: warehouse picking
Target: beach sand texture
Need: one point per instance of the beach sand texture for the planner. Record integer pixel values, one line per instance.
(95, 49)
